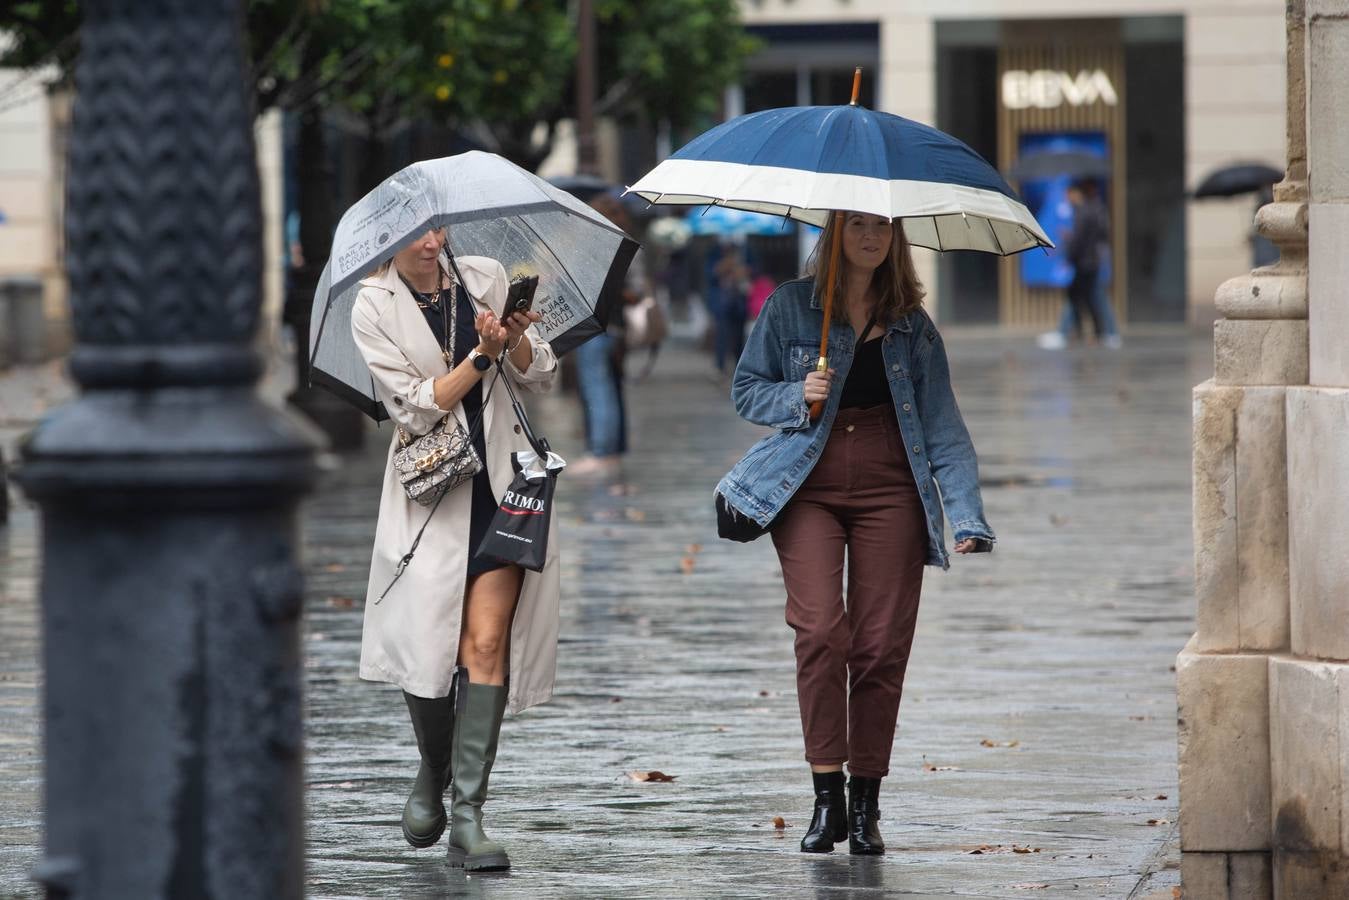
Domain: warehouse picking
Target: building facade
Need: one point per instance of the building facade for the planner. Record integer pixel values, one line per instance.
(1163, 92)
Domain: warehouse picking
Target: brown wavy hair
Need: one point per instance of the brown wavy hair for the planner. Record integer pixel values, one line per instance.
(895, 281)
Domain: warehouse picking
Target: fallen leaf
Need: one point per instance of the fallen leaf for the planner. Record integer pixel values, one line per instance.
(651, 776)
(764, 694)
(1175, 893)
(334, 567)
(1030, 887)
(341, 602)
(779, 823)
(615, 699)
(686, 565)
(987, 743)
(1160, 797)
(694, 548)
(929, 767)
(999, 848)
(1159, 821)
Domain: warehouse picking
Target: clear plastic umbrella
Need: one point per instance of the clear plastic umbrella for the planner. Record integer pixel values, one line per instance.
(489, 207)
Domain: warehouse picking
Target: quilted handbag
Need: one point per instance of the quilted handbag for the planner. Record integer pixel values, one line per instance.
(437, 462)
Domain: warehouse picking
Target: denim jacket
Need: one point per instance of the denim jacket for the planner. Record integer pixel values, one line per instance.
(769, 390)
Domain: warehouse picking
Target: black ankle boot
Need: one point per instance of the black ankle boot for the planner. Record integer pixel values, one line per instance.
(864, 835)
(830, 822)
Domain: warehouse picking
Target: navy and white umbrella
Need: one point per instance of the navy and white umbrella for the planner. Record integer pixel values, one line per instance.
(815, 162)
(489, 207)
(806, 161)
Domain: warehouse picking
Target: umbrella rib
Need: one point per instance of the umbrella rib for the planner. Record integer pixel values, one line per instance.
(996, 239)
(318, 338)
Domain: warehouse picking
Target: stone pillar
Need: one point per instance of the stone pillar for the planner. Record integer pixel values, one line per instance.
(171, 591)
(1242, 571)
(1309, 687)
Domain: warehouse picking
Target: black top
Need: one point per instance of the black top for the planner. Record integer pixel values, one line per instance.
(867, 384)
(465, 339)
(484, 504)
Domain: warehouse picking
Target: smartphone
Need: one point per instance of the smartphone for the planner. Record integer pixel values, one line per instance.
(520, 296)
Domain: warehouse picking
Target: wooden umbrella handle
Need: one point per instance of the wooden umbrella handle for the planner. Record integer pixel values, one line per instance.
(822, 365)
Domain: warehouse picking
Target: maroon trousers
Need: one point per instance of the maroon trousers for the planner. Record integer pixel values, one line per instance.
(850, 659)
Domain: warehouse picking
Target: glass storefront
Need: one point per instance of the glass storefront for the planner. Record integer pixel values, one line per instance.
(1109, 88)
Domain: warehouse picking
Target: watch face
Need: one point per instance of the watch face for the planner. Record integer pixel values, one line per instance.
(482, 362)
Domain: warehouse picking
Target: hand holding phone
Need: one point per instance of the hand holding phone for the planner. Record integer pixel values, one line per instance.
(520, 295)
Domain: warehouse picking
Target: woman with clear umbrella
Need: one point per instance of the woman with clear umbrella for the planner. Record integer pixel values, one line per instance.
(430, 328)
(409, 328)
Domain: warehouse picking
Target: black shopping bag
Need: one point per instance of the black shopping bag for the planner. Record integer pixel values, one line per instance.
(519, 530)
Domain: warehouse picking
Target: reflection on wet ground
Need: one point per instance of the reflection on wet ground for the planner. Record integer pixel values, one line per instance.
(1036, 750)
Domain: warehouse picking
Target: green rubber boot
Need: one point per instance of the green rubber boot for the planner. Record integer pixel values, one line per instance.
(475, 749)
(424, 813)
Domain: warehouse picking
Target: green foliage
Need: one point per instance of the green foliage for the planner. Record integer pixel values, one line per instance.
(42, 31)
(495, 67)
(506, 59)
(671, 58)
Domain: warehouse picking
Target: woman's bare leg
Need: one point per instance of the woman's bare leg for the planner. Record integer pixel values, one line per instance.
(489, 607)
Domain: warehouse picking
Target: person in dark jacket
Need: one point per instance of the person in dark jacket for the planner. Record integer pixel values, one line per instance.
(1085, 250)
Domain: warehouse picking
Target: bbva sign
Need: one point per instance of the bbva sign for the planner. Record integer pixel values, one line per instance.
(1047, 89)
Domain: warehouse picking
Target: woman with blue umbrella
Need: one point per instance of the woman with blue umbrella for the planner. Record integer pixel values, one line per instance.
(869, 452)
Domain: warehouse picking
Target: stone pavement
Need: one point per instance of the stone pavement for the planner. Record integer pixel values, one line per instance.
(1036, 749)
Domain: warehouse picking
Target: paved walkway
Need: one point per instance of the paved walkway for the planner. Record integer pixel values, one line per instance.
(1036, 750)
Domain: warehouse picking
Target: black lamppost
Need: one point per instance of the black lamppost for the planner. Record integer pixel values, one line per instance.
(171, 596)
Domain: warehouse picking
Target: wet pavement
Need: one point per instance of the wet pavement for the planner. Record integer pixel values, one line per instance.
(1036, 749)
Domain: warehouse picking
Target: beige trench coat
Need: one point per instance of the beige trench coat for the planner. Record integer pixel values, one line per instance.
(411, 638)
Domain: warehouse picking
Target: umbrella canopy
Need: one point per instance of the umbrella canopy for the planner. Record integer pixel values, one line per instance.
(588, 187)
(728, 222)
(1059, 163)
(805, 161)
(1243, 178)
(582, 186)
(490, 207)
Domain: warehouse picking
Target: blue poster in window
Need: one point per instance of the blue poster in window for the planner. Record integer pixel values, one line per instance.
(1047, 199)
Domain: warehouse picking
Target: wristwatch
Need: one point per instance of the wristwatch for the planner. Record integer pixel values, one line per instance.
(481, 361)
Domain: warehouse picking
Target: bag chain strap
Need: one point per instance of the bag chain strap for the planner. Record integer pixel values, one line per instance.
(448, 326)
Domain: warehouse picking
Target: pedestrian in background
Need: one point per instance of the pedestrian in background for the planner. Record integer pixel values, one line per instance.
(600, 364)
(429, 329)
(730, 271)
(1087, 249)
(859, 485)
(761, 287)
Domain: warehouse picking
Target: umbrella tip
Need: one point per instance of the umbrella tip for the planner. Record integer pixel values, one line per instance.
(856, 85)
